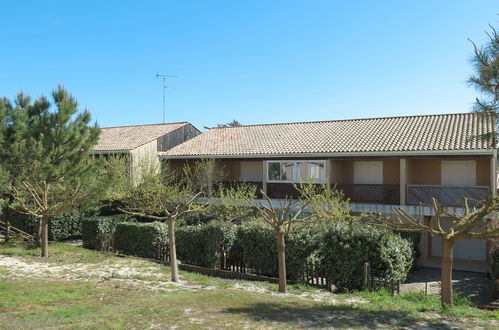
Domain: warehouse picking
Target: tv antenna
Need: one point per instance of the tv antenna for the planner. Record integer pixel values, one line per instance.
(164, 77)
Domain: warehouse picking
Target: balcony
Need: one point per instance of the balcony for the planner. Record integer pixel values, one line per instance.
(372, 193)
(446, 195)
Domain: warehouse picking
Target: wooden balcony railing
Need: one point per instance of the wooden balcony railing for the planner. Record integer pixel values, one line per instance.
(446, 195)
(372, 193)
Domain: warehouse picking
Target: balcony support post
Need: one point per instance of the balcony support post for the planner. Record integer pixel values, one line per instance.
(264, 176)
(493, 169)
(327, 170)
(403, 180)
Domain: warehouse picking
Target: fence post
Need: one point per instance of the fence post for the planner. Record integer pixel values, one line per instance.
(366, 276)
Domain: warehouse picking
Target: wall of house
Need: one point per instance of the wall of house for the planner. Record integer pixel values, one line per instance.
(230, 169)
(176, 137)
(251, 170)
(391, 171)
(342, 171)
(483, 172)
(144, 158)
(428, 171)
(423, 171)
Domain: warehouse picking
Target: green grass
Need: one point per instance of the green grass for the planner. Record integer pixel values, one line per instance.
(211, 302)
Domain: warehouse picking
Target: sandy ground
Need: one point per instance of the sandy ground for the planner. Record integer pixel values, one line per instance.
(132, 272)
(127, 271)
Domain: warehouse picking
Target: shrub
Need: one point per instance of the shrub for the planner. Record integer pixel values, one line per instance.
(260, 252)
(97, 232)
(201, 245)
(62, 227)
(414, 238)
(346, 247)
(140, 239)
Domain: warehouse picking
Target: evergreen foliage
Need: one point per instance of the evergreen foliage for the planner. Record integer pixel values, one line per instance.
(140, 239)
(201, 245)
(54, 163)
(98, 231)
(486, 78)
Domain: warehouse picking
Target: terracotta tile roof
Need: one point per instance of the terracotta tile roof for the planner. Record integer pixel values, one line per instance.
(130, 137)
(413, 133)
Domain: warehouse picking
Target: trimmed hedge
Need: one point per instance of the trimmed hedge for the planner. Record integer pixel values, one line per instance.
(346, 247)
(260, 251)
(201, 245)
(97, 232)
(140, 239)
(63, 227)
(342, 248)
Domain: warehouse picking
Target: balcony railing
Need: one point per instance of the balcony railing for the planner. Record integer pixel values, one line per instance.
(446, 195)
(372, 193)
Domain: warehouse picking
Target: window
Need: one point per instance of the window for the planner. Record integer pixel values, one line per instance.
(293, 171)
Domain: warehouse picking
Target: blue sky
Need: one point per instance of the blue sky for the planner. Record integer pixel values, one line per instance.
(254, 61)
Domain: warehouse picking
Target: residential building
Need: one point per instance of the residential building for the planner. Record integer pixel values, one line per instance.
(379, 163)
(143, 143)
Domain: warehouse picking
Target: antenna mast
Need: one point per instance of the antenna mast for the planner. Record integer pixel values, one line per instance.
(164, 77)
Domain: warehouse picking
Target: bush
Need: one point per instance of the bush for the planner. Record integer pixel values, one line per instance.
(63, 227)
(260, 251)
(201, 245)
(98, 231)
(414, 238)
(346, 247)
(140, 239)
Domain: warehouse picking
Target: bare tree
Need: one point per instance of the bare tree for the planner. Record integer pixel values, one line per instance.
(460, 227)
(158, 199)
(282, 220)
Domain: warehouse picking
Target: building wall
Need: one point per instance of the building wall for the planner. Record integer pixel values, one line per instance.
(251, 170)
(144, 158)
(391, 171)
(177, 137)
(483, 172)
(230, 169)
(423, 171)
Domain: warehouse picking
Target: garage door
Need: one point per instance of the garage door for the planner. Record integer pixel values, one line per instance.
(470, 249)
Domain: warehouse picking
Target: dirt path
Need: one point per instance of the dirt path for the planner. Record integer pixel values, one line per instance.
(127, 272)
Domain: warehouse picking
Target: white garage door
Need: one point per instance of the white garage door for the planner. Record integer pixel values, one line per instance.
(470, 249)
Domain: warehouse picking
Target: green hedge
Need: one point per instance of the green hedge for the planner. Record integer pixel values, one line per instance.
(342, 248)
(201, 245)
(140, 239)
(260, 252)
(345, 247)
(98, 231)
(63, 227)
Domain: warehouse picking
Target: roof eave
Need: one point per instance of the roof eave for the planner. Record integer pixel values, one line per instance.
(340, 154)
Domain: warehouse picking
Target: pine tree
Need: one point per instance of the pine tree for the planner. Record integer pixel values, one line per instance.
(56, 170)
(16, 122)
(486, 78)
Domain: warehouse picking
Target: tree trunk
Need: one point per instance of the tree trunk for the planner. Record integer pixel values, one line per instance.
(6, 217)
(45, 236)
(38, 233)
(173, 251)
(281, 252)
(446, 280)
